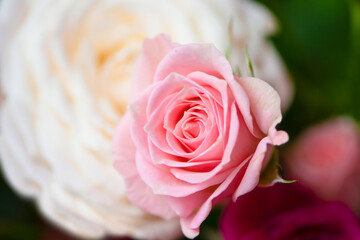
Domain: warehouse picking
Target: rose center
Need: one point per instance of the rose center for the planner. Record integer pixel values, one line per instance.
(191, 129)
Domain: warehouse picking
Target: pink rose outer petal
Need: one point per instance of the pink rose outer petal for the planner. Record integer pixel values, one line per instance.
(265, 107)
(264, 102)
(190, 225)
(252, 174)
(136, 190)
(190, 58)
(153, 51)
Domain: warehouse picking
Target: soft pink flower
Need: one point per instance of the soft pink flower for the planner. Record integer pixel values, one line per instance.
(326, 158)
(194, 134)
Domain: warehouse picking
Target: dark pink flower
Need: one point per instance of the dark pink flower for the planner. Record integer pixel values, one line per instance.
(287, 212)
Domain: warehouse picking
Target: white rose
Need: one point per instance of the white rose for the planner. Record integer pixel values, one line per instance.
(65, 70)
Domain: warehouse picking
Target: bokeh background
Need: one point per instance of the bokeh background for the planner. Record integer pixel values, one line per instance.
(320, 44)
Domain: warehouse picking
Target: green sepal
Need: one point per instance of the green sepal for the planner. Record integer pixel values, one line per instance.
(249, 63)
(270, 175)
(287, 181)
(236, 71)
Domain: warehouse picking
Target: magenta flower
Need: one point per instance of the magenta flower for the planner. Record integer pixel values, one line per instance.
(287, 212)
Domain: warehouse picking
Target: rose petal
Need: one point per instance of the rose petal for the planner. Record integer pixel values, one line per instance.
(162, 182)
(173, 163)
(190, 225)
(218, 90)
(243, 103)
(192, 201)
(170, 85)
(155, 127)
(204, 58)
(252, 174)
(137, 109)
(155, 124)
(153, 51)
(264, 102)
(178, 146)
(198, 177)
(215, 87)
(137, 191)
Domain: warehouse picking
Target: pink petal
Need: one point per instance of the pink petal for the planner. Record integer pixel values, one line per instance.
(199, 177)
(215, 87)
(161, 181)
(188, 232)
(185, 206)
(191, 128)
(123, 148)
(190, 165)
(156, 113)
(174, 116)
(190, 225)
(137, 111)
(264, 102)
(171, 85)
(199, 58)
(157, 156)
(155, 126)
(243, 103)
(136, 190)
(153, 51)
(178, 146)
(252, 174)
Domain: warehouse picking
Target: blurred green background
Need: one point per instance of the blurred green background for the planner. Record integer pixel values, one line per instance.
(319, 42)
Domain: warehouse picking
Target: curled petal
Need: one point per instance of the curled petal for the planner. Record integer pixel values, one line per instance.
(199, 58)
(264, 102)
(257, 162)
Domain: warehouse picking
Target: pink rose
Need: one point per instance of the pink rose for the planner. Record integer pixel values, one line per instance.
(326, 158)
(194, 133)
